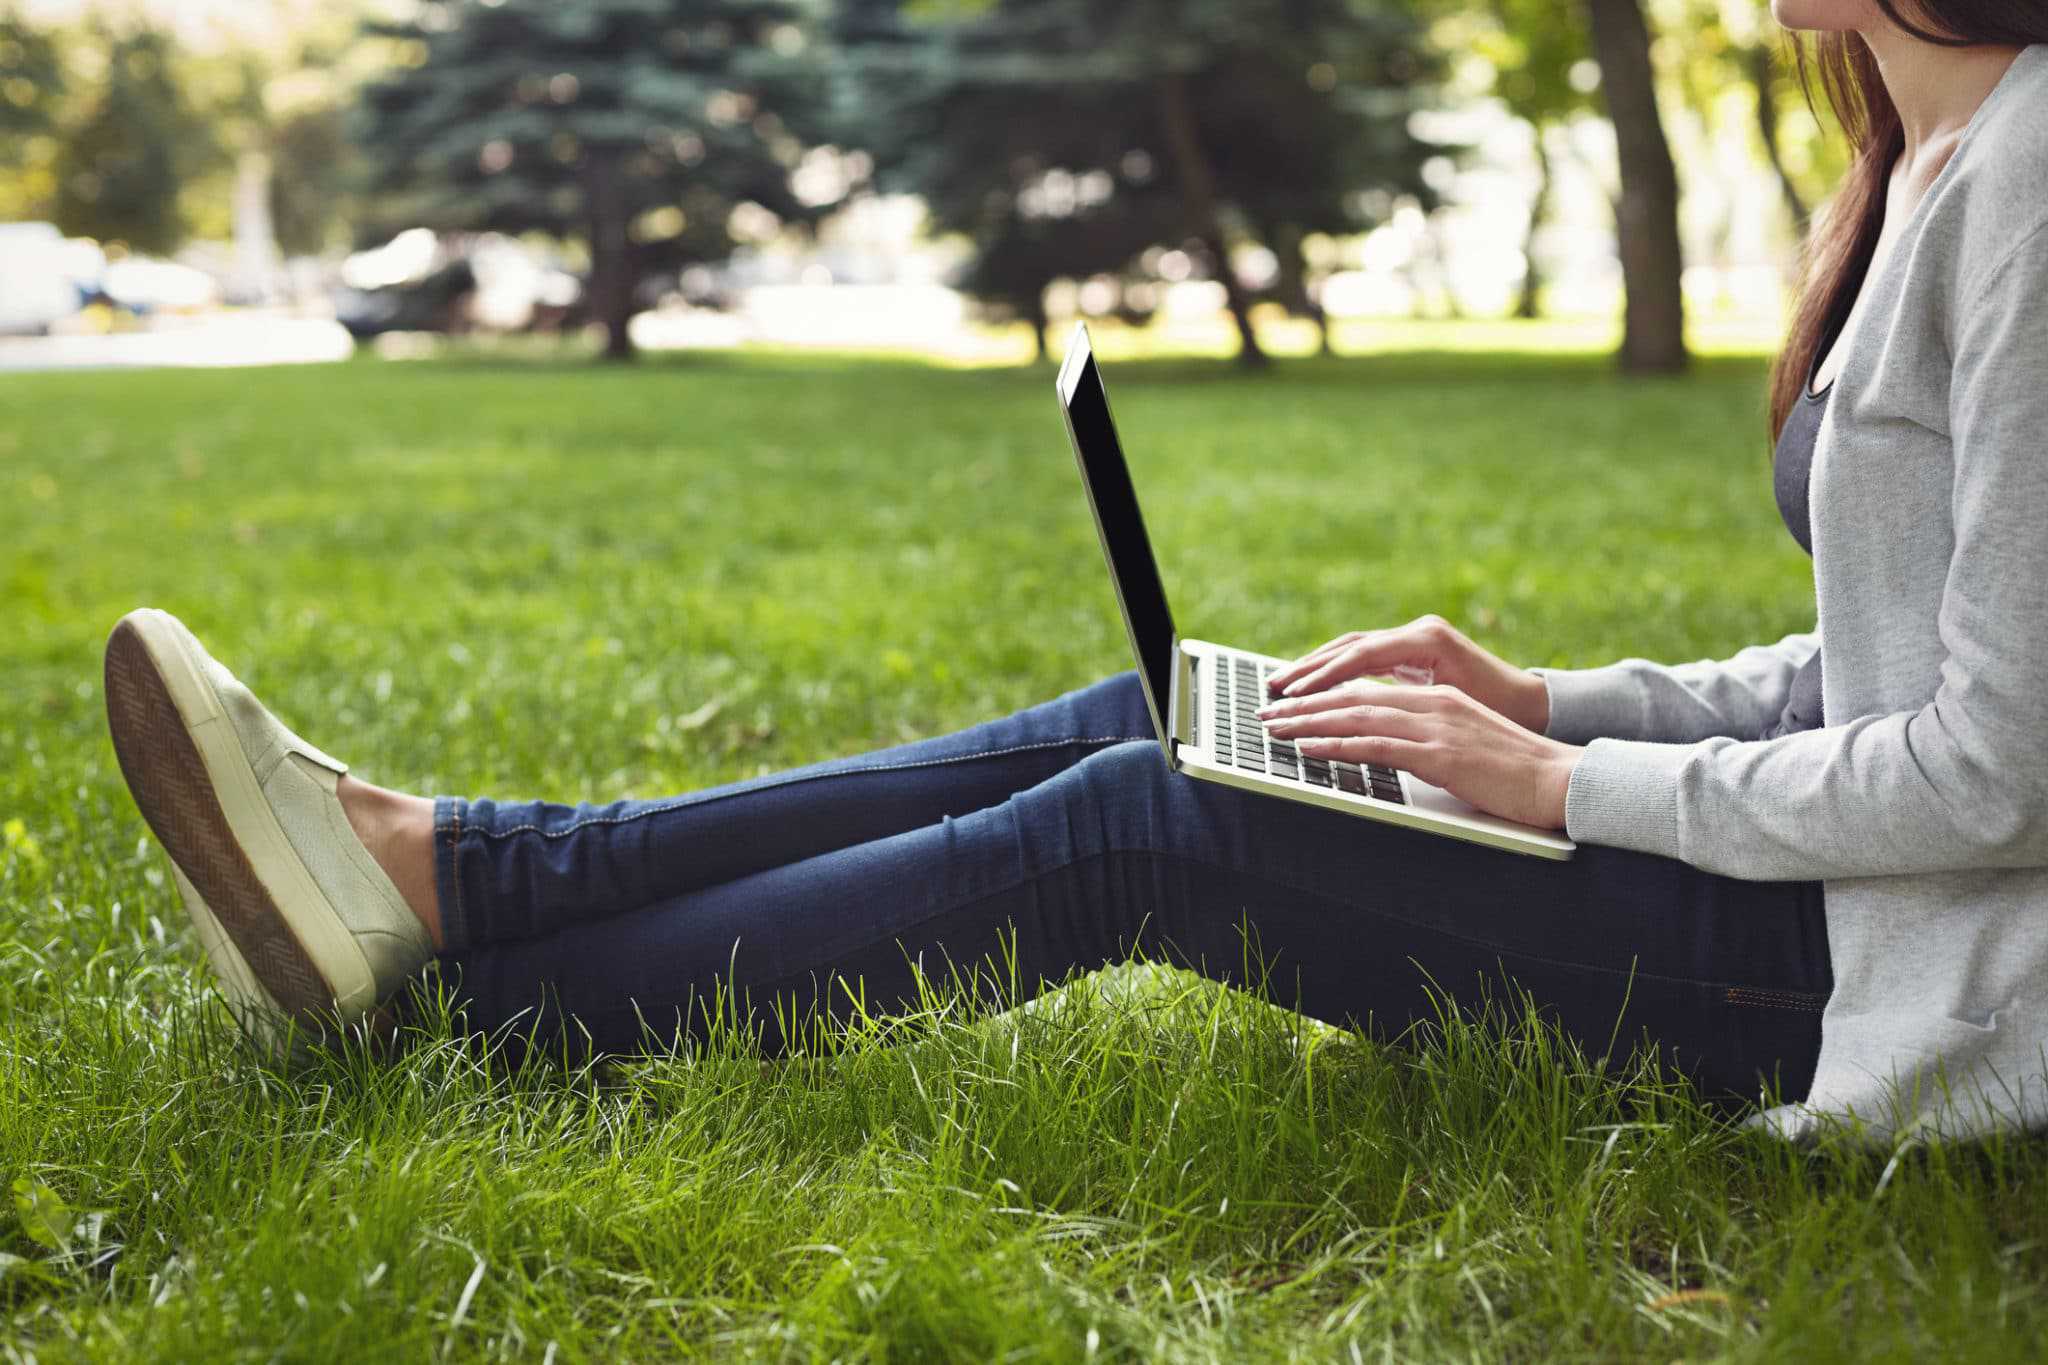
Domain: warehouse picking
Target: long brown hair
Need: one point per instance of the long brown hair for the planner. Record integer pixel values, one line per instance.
(1845, 237)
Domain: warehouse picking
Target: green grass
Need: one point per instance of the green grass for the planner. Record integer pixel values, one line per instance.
(521, 579)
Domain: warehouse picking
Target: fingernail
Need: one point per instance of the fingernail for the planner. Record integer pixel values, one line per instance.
(1291, 689)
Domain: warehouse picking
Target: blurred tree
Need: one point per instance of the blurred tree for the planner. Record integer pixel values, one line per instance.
(1734, 58)
(1540, 53)
(1652, 260)
(120, 170)
(31, 80)
(1195, 124)
(32, 90)
(311, 187)
(638, 126)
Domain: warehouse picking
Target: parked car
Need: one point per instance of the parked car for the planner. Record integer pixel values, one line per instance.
(36, 285)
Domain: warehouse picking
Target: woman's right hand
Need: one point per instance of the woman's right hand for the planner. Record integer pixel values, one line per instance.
(1429, 643)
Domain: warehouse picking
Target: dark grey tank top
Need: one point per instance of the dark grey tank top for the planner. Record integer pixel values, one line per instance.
(1791, 475)
(1791, 480)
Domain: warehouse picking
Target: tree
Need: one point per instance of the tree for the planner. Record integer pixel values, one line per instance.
(1539, 53)
(1192, 124)
(636, 126)
(31, 80)
(1646, 215)
(120, 170)
(32, 91)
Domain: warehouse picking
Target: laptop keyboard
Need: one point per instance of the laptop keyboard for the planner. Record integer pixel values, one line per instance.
(1240, 741)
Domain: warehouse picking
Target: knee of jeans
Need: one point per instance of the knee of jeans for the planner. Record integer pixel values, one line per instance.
(1115, 799)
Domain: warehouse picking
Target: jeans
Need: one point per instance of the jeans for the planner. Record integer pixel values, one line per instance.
(1057, 841)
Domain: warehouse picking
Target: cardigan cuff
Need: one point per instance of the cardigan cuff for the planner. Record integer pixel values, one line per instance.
(1624, 793)
(1586, 703)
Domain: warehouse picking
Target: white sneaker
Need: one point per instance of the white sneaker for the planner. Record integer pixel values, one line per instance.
(296, 916)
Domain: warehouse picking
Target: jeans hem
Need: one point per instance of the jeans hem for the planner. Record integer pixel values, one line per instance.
(448, 814)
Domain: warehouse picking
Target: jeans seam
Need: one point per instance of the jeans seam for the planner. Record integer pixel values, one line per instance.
(793, 779)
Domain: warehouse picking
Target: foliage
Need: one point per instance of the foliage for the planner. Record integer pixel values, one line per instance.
(31, 81)
(33, 90)
(635, 126)
(521, 579)
(1065, 135)
(124, 164)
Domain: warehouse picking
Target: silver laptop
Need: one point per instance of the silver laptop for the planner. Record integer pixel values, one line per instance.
(1204, 698)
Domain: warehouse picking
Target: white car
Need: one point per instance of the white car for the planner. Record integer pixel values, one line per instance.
(36, 283)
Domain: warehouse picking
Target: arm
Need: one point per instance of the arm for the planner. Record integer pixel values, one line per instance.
(1962, 782)
(1679, 704)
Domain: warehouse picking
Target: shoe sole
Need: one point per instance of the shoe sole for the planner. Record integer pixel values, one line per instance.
(260, 1016)
(197, 791)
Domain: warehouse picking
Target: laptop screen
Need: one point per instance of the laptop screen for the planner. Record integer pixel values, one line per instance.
(1131, 567)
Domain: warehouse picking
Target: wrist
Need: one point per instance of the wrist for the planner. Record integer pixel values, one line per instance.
(1532, 702)
(1563, 764)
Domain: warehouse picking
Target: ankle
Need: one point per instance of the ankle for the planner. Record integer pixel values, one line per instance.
(398, 832)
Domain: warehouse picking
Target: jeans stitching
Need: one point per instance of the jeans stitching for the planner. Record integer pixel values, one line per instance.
(1774, 999)
(706, 798)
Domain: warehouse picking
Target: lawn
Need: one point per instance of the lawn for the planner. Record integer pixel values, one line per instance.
(526, 579)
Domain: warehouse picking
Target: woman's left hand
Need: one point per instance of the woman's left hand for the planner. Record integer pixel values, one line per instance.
(1441, 735)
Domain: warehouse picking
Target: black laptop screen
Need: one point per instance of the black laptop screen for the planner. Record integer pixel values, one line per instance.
(1123, 533)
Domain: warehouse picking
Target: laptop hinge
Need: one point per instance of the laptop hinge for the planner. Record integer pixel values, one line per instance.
(1181, 699)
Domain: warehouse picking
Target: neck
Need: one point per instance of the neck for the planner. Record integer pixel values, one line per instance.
(1937, 89)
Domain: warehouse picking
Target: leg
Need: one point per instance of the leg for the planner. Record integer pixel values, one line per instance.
(541, 867)
(1116, 854)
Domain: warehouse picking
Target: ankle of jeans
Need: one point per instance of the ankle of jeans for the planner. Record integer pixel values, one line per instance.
(449, 813)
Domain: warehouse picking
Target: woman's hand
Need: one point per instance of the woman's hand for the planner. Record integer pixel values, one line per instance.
(1444, 736)
(1430, 643)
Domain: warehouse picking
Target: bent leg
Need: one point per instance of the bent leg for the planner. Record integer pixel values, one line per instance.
(1351, 919)
(511, 871)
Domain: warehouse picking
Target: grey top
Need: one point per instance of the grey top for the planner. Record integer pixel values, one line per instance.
(1923, 805)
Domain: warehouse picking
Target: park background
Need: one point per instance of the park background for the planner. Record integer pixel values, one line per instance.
(608, 397)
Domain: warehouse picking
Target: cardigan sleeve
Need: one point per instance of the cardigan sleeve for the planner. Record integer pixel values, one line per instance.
(1676, 703)
(1960, 783)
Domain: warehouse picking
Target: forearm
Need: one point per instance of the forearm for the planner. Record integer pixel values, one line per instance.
(1636, 699)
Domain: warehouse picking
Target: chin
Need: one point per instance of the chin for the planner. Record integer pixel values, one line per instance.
(1824, 16)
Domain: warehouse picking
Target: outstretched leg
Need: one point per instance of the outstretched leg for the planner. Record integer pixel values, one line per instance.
(1348, 919)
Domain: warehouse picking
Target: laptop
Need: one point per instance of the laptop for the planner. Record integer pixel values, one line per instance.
(1204, 698)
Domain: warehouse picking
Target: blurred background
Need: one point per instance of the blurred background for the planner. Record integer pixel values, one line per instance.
(262, 181)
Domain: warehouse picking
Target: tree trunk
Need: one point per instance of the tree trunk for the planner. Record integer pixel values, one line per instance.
(611, 251)
(1761, 69)
(1034, 313)
(1292, 286)
(1531, 304)
(1198, 194)
(1646, 216)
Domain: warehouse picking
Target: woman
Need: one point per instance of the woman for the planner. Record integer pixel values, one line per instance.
(1780, 904)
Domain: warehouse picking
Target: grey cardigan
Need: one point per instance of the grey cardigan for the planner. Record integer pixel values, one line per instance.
(1923, 804)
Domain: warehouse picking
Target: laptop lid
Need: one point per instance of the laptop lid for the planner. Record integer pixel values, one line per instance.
(1132, 571)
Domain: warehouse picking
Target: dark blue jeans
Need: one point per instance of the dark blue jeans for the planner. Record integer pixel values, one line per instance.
(1057, 841)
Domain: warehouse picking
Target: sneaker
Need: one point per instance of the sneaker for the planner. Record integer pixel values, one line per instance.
(299, 921)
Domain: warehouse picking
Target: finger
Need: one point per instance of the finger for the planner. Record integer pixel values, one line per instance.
(1345, 694)
(1311, 659)
(1341, 666)
(1352, 722)
(1385, 750)
(1380, 651)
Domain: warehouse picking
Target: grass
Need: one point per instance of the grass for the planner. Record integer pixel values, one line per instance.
(530, 579)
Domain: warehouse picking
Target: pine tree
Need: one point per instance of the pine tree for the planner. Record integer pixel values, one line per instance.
(1065, 136)
(635, 126)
